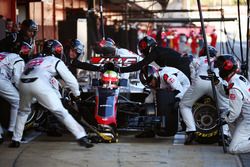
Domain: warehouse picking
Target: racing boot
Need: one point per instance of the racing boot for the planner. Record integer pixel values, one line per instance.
(146, 134)
(84, 141)
(14, 144)
(190, 137)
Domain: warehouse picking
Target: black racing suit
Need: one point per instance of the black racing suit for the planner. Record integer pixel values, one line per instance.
(162, 57)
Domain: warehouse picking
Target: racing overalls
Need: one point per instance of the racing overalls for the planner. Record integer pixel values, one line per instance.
(11, 68)
(199, 88)
(173, 79)
(35, 83)
(239, 113)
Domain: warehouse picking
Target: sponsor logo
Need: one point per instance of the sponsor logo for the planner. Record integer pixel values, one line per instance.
(118, 60)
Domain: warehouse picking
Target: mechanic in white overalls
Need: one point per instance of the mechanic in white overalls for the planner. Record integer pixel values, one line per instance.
(199, 87)
(239, 104)
(35, 83)
(11, 68)
(164, 78)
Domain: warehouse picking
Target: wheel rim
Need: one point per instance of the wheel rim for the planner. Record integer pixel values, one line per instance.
(205, 117)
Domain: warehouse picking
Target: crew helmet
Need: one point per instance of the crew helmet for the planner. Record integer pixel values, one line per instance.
(29, 25)
(77, 46)
(146, 44)
(25, 51)
(212, 51)
(227, 64)
(148, 75)
(106, 47)
(53, 47)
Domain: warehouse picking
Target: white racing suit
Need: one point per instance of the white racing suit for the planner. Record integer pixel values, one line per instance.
(35, 82)
(199, 88)
(172, 79)
(11, 68)
(239, 113)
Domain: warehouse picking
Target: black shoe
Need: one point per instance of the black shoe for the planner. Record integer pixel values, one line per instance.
(84, 141)
(14, 144)
(146, 134)
(190, 137)
(1, 140)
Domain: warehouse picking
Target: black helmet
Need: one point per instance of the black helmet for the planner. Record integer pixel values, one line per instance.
(148, 74)
(106, 47)
(146, 44)
(29, 25)
(53, 47)
(227, 64)
(76, 45)
(25, 51)
(211, 49)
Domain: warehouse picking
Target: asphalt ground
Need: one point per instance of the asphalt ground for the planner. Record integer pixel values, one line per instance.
(39, 150)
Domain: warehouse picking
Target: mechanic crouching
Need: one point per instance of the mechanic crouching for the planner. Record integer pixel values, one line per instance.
(168, 78)
(239, 104)
(35, 83)
(201, 85)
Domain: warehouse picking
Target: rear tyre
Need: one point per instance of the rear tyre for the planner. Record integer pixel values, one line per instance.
(205, 116)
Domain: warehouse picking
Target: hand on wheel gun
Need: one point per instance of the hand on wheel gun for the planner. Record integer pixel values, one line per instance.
(213, 76)
(74, 98)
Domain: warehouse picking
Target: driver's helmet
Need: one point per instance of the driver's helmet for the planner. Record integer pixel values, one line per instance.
(150, 77)
(105, 47)
(146, 44)
(77, 46)
(25, 51)
(53, 47)
(212, 51)
(110, 79)
(227, 65)
(29, 25)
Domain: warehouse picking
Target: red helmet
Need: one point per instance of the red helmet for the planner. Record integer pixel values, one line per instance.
(212, 51)
(53, 47)
(110, 79)
(146, 44)
(149, 76)
(25, 51)
(227, 64)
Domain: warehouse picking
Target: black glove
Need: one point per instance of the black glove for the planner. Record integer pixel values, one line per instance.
(74, 98)
(213, 76)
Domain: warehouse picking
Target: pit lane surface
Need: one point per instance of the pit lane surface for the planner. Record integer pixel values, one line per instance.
(44, 151)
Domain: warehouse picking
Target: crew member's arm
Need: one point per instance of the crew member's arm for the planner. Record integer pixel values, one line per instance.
(68, 77)
(175, 84)
(85, 66)
(137, 66)
(17, 72)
